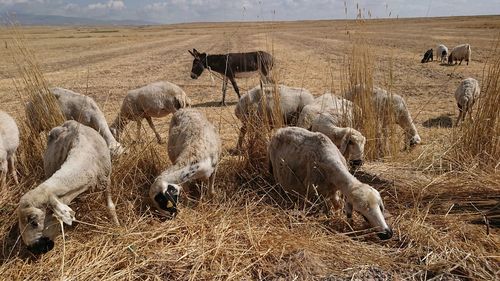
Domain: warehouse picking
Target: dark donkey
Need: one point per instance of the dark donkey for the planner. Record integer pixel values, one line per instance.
(232, 65)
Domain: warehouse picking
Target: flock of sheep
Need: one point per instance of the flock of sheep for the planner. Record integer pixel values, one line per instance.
(311, 156)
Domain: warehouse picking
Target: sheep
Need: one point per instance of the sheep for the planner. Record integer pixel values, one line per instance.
(77, 158)
(328, 115)
(77, 107)
(292, 101)
(157, 99)
(442, 53)
(465, 95)
(341, 109)
(194, 148)
(309, 164)
(350, 142)
(400, 111)
(460, 53)
(428, 56)
(9, 141)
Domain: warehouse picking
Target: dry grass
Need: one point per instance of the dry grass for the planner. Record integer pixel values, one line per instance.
(252, 231)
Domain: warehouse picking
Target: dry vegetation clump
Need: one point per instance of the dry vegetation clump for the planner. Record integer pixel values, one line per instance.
(477, 141)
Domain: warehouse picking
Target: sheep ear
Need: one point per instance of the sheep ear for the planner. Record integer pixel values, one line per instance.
(62, 212)
(344, 142)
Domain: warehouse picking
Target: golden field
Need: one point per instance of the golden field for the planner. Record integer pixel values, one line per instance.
(438, 204)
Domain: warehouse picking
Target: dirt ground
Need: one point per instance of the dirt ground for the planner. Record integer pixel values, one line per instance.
(106, 62)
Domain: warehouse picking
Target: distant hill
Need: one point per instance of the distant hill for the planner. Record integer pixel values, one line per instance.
(28, 19)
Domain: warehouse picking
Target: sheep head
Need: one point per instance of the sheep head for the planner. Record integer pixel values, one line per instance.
(367, 201)
(165, 196)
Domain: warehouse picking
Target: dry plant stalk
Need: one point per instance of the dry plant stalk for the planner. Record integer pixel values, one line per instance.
(359, 78)
(477, 140)
(32, 86)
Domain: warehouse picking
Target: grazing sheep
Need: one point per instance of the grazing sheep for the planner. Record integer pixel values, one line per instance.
(291, 100)
(401, 115)
(194, 148)
(310, 165)
(442, 53)
(350, 142)
(341, 109)
(328, 115)
(465, 95)
(428, 56)
(77, 159)
(77, 107)
(9, 141)
(460, 53)
(157, 99)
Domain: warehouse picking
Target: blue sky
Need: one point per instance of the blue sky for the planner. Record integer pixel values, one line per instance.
(172, 11)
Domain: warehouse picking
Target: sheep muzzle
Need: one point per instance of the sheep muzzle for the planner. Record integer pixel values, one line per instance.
(41, 246)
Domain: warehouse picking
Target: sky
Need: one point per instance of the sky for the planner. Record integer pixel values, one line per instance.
(175, 11)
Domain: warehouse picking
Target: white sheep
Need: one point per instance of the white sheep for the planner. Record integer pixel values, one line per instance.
(460, 53)
(350, 142)
(466, 95)
(77, 159)
(291, 100)
(157, 99)
(194, 148)
(309, 164)
(9, 141)
(382, 99)
(77, 107)
(333, 116)
(341, 109)
(442, 53)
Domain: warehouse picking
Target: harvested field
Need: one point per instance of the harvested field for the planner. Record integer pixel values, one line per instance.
(444, 208)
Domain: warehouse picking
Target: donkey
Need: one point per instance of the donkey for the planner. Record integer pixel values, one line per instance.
(233, 65)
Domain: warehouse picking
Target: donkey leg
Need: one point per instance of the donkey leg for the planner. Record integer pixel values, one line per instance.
(235, 87)
(224, 89)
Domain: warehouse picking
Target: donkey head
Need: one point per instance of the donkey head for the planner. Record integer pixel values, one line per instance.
(199, 63)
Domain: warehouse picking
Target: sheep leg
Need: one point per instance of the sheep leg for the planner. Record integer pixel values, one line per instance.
(3, 172)
(211, 183)
(139, 124)
(110, 204)
(150, 122)
(460, 114)
(241, 137)
(12, 168)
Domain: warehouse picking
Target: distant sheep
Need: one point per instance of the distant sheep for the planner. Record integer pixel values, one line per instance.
(77, 159)
(428, 56)
(77, 107)
(460, 53)
(310, 165)
(442, 53)
(291, 100)
(194, 148)
(9, 141)
(401, 115)
(157, 99)
(466, 95)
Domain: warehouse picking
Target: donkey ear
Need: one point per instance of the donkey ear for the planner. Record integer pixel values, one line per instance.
(191, 53)
(64, 213)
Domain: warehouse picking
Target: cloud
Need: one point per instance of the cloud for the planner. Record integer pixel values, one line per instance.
(111, 5)
(156, 7)
(14, 2)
